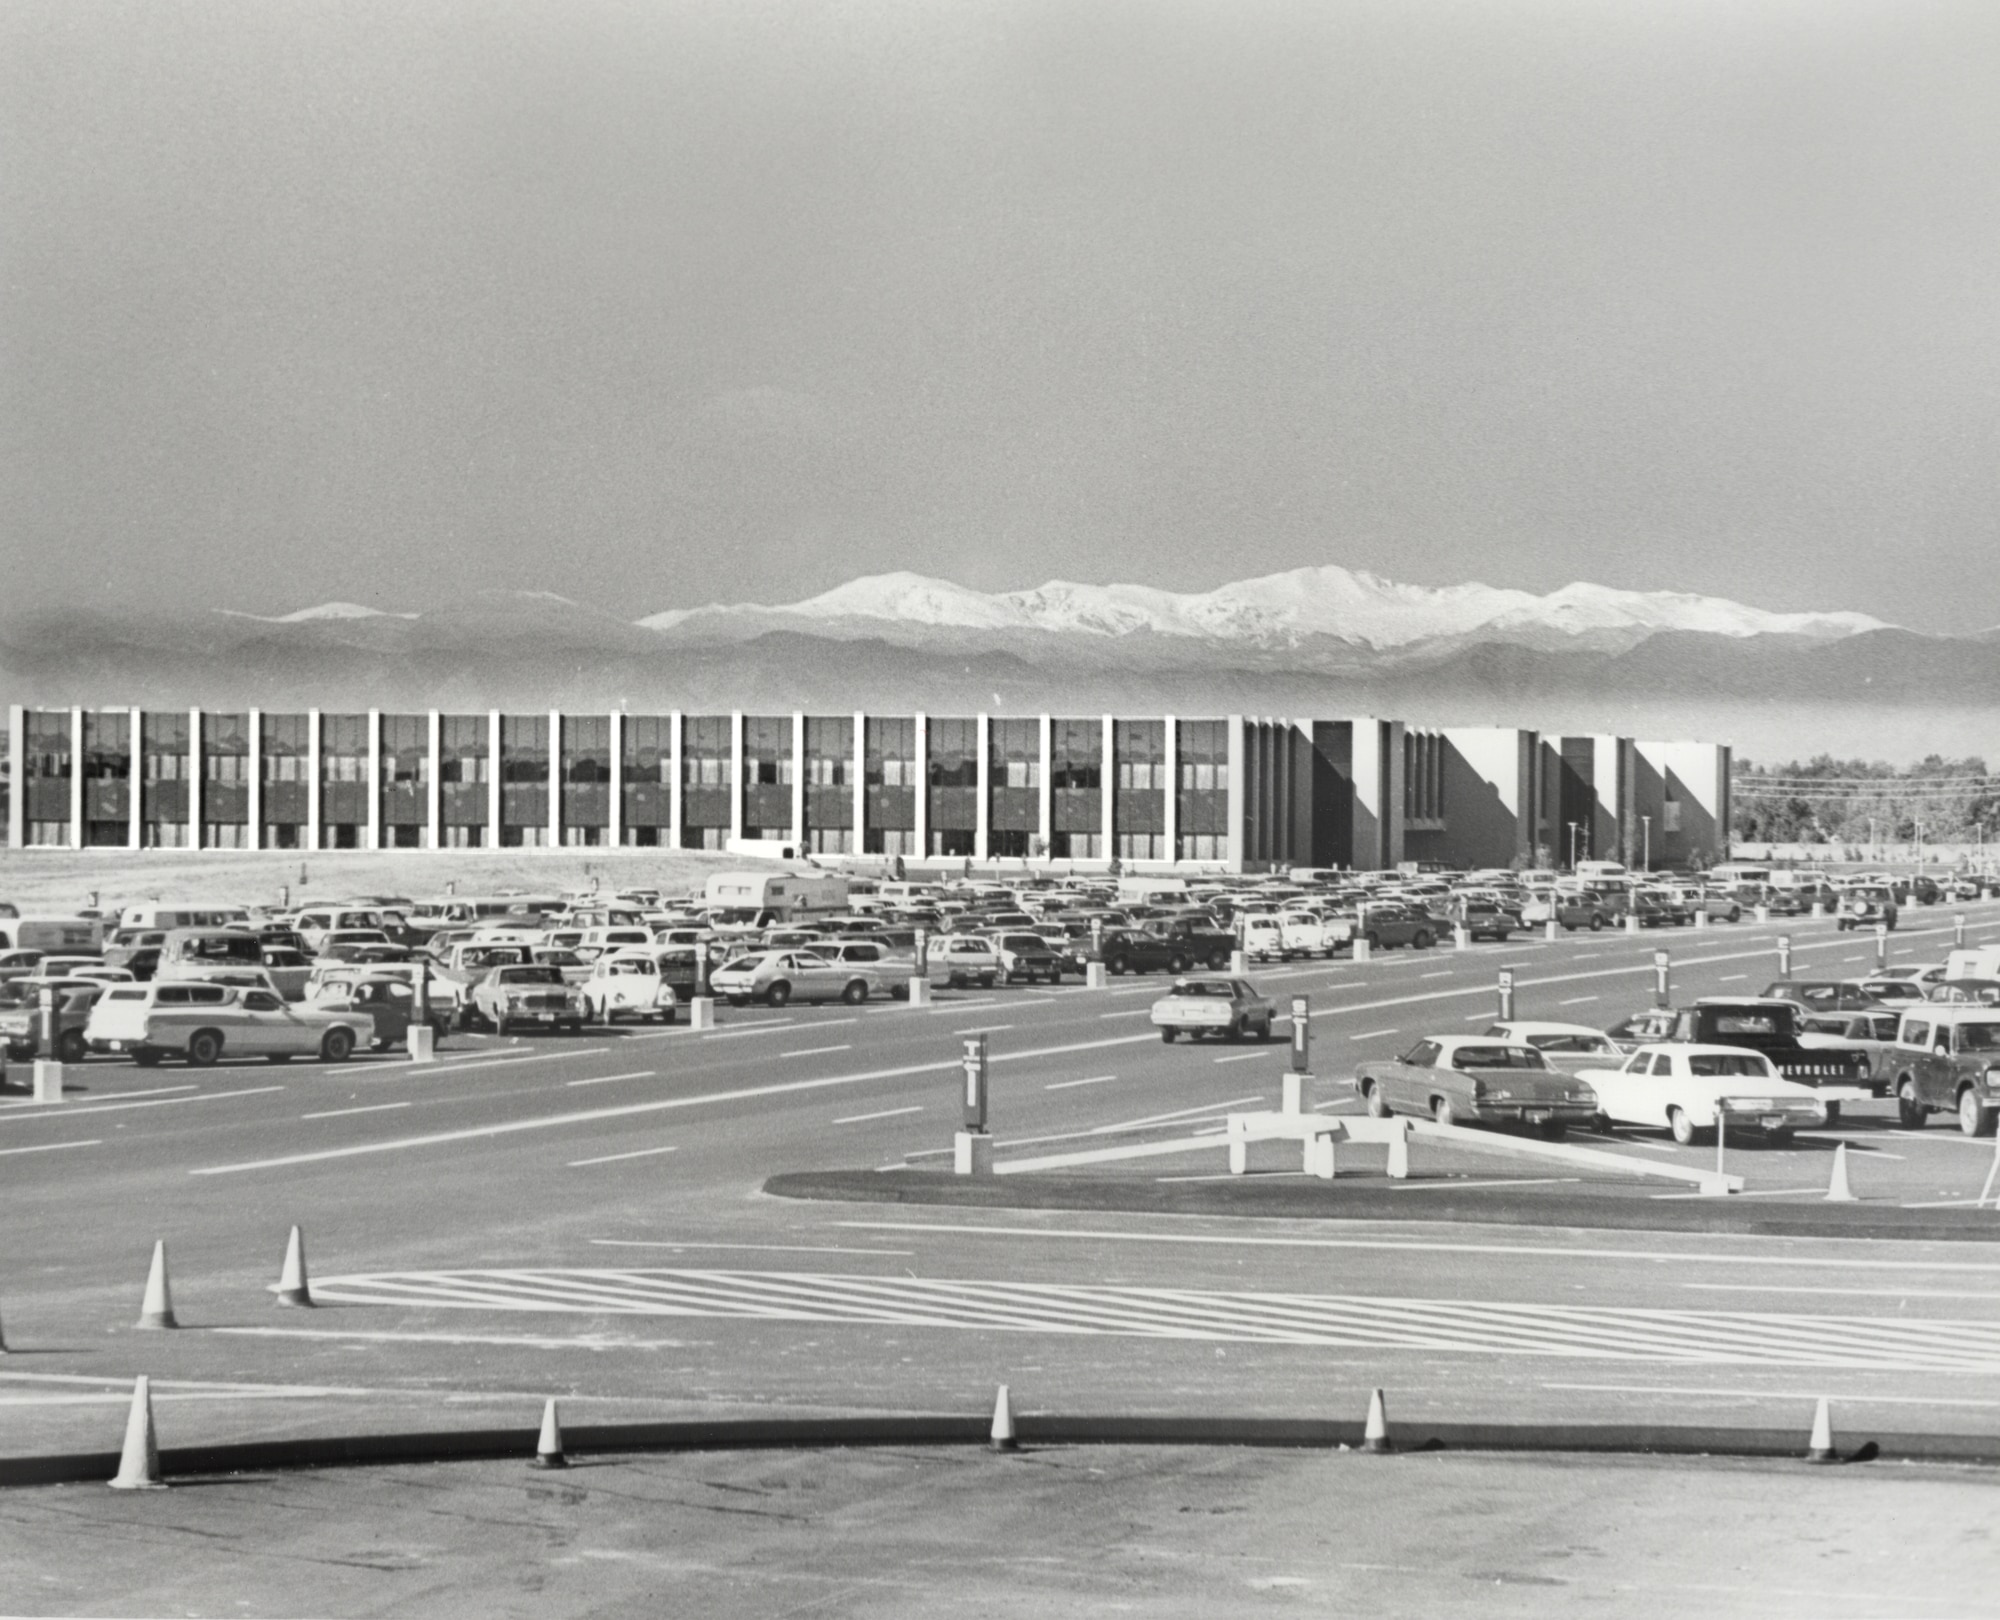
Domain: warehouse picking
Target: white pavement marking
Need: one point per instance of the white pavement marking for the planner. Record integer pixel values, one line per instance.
(1546, 1251)
(1442, 973)
(1732, 978)
(606, 1079)
(1371, 1034)
(1754, 1192)
(1455, 1186)
(341, 1113)
(613, 1158)
(1129, 1012)
(1576, 1001)
(761, 1248)
(51, 1147)
(984, 1029)
(1848, 1398)
(79, 1110)
(1065, 1085)
(1988, 1296)
(1474, 1327)
(530, 1341)
(123, 1096)
(886, 1113)
(817, 1051)
(1242, 1057)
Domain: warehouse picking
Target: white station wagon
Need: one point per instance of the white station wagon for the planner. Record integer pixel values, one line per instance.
(202, 1022)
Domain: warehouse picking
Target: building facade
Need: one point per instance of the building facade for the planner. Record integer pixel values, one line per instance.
(1158, 791)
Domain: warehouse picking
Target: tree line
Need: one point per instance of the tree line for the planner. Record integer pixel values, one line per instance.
(1856, 801)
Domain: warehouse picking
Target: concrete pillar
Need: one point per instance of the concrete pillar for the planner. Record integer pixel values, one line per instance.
(253, 787)
(798, 837)
(614, 816)
(1046, 808)
(1108, 819)
(17, 774)
(676, 793)
(493, 778)
(76, 778)
(196, 779)
(555, 779)
(1172, 824)
(859, 839)
(1238, 799)
(737, 786)
(434, 782)
(135, 805)
(922, 834)
(372, 839)
(982, 813)
(313, 768)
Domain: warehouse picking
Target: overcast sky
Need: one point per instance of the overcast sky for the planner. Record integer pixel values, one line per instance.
(657, 303)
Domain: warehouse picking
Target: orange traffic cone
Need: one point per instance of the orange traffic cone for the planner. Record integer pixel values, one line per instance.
(139, 1462)
(1002, 1438)
(292, 1286)
(1820, 1448)
(158, 1309)
(1838, 1191)
(549, 1448)
(1375, 1437)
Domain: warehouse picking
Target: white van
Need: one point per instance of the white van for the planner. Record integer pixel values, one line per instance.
(786, 893)
(1597, 870)
(185, 914)
(66, 935)
(208, 947)
(1981, 962)
(314, 924)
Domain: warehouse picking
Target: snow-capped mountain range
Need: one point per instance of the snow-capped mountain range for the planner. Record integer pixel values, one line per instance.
(1276, 610)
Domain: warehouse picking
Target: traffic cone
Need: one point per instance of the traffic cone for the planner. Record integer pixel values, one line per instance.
(549, 1449)
(292, 1286)
(1838, 1192)
(158, 1310)
(1820, 1448)
(139, 1462)
(1003, 1423)
(1375, 1437)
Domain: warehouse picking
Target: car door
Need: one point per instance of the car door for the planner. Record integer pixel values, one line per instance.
(259, 1025)
(1407, 1080)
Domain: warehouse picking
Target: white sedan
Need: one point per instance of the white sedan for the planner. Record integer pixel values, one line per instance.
(1686, 1088)
(1569, 1047)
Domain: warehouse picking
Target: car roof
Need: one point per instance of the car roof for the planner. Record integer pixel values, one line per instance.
(1948, 1012)
(1529, 1026)
(1698, 1049)
(1451, 1043)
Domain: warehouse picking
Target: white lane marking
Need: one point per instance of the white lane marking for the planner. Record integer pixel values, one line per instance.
(70, 1107)
(1857, 1293)
(1065, 1085)
(984, 1029)
(606, 1079)
(1455, 1186)
(613, 1158)
(1576, 1001)
(886, 1113)
(530, 1341)
(1442, 973)
(1732, 978)
(1262, 1175)
(961, 1006)
(817, 1051)
(1755, 1192)
(761, 1248)
(1179, 1116)
(590, 1116)
(51, 1147)
(787, 1027)
(1814, 1393)
(341, 1113)
(1242, 1057)
(1547, 1252)
(1129, 1012)
(1371, 1034)
(78, 1110)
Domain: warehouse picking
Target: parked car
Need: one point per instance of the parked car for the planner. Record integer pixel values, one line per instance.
(630, 982)
(1469, 1080)
(1821, 995)
(289, 970)
(21, 1017)
(1773, 1028)
(1569, 909)
(1872, 1033)
(1866, 907)
(778, 977)
(1214, 1004)
(391, 1004)
(1947, 1060)
(1687, 1088)
(1385, 923)
(204, 1022)
(964, 959)
(1643, 1028)
(1568, 1047)
(1483, 919)
(526, 994)
(1026, 957)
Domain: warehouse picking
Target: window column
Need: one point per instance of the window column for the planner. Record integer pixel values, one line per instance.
(197, 763)
(1236, 795)
(614, 823)
(313, 769)
(373, 835)
(135, 836)
(434, 787)
(920, 835)
(1110, 780)
(494, 758)
(737, 784)
(76, 778)
(17, 774)
(674, 777)
(982, 810)
(1170, 833)
(555, 779)
(797, 837)
(860, 781)
(253, 789)
(1047, 832)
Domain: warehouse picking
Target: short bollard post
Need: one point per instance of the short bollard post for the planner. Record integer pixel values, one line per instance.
(1881, 945)
(1819, 909)
(48, 1081)
(701, 1013)
(1761, 913)
(920, 987)
(1093, 976)
(1461, 936)
(1784, 956)
(1631, 922)
(1319, 1156)
(1239, 963)
(1399, 1154)
(422, 1042)
(1363, 951)
(1552, 930)
(1718, 1185)
(1701, 916)
(1506, 995)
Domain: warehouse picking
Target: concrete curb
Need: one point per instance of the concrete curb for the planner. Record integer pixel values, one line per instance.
(490, 1445)
(1307, 1199)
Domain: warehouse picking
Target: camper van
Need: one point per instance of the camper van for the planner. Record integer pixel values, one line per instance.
(184, 914)
(59, 935)
(787, 894)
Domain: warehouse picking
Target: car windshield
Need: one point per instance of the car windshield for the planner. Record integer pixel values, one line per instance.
(1748, 1023)
(1569, 1043)
(1202, 987)
(1497, 1057)
(530, 975)
(1711, 1065)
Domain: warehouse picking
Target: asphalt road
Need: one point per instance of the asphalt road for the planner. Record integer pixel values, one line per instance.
(582, 1216)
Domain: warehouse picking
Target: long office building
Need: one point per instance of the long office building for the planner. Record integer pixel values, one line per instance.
(1231, 793)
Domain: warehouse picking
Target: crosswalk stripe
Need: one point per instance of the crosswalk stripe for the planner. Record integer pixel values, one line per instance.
(1471, 1327)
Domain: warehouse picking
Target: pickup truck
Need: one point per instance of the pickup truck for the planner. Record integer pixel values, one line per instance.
(1947, 1060)
(1774, 1028)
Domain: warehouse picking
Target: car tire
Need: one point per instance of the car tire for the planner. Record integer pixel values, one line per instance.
(1735, 913)
(1443, 1112)
(1118, 966)
(780, 993)
(1596, 921)
(1680, 1126)
(336, 1045)
(1264, 1030)
(1168, 1036)
(70, 1047)
(1910, 1113)
(1974, 1117)
(1177, 964)
(855, 993)
(1219, 962)
(1373, 1100)
(1422, 941)
(146, 1057)
(203, 1048)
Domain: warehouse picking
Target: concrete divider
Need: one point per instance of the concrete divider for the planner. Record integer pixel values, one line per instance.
(48, 1081)
(701, 1012)
(920, 992)
(1093, 976)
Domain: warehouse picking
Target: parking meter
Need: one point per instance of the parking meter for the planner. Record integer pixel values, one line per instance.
(1784, 956)
(423, 1007)
(973, 1063)
(1958, 929)
(1097, 938)
(1881, 945)
(1660, 993)
(1506, 995)
(1301, 1035)
(923, 951)
(45, 1040)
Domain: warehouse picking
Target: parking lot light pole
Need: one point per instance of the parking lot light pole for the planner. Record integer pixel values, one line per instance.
(1572, 844)
(1646, 825)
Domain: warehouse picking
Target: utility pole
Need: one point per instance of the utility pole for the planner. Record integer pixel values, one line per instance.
(1572, 845)
(1646, 823)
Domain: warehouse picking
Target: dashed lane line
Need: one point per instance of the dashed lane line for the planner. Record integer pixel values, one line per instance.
(883, 1113)
(760, 1248)
(342, 1113)
(1241, 1057)
(1577, 1001)
(614, 1158)
(1371, 1034)
(816, 1051)
(51, 1147)
(82, 1110)
(1091, 1080)
(607, 1079)
(123, 1096)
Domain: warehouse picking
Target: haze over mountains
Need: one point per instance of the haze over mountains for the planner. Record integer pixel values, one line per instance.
(1317, 641)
